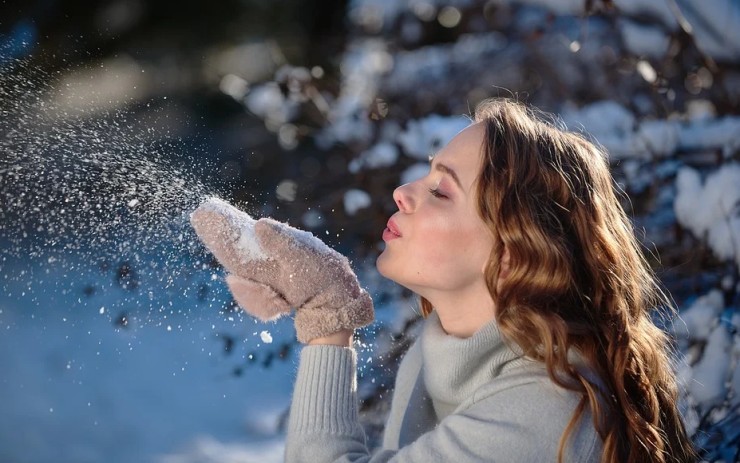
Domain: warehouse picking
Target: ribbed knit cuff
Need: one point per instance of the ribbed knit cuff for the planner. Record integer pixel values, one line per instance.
(325, 393)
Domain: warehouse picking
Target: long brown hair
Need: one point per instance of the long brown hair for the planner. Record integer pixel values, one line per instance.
(577, 280)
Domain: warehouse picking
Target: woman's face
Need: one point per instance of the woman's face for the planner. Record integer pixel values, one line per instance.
(443, 243)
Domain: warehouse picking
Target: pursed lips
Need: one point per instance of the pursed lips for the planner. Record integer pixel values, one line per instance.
(391, 231)
(393, 227)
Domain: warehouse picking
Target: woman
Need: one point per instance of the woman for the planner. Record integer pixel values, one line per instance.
(537, 344)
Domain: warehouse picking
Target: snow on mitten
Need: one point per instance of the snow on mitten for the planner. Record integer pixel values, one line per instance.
(296, 270)
(229, 234)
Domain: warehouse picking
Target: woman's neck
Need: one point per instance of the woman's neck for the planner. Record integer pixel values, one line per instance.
(463, 314)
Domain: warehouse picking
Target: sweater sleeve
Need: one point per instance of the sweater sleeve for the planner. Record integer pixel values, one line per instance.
(517, 424)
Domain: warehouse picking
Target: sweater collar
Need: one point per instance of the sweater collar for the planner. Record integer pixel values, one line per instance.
(454, 368)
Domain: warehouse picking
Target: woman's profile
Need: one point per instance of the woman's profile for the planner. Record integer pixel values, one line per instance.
(537, 343)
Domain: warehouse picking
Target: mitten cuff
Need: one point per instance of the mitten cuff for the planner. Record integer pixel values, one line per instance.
(313, 322)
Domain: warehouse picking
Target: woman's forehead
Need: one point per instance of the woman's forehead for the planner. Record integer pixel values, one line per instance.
(463, 153)
(468, 141)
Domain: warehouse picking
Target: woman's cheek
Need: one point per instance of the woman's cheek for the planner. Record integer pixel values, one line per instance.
(443, 228)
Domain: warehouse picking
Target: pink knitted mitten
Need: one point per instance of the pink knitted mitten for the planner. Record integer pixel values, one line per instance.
(274, 267)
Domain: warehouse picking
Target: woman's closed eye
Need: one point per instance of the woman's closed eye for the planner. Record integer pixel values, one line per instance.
(436, 193)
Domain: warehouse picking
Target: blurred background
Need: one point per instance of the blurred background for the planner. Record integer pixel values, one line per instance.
(118, 340)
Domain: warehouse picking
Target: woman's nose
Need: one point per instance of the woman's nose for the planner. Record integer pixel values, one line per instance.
(402, 198)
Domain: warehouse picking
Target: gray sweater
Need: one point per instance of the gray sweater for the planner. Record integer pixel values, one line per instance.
(455, 400)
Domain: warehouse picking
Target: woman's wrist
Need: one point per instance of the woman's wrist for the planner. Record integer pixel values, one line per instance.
(341, 338)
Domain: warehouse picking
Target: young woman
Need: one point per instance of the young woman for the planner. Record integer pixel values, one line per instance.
(538, 343)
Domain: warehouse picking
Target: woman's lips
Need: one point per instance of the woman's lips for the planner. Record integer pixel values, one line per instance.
(391, 231)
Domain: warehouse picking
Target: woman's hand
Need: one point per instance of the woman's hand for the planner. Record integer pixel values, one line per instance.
(293, 270)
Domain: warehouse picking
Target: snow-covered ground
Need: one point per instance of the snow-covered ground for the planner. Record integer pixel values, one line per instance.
(91, 376)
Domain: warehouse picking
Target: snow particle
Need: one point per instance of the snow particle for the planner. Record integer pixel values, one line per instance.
(647, 71)
(266, 337)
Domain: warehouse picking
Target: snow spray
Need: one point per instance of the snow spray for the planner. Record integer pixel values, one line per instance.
(86, 189)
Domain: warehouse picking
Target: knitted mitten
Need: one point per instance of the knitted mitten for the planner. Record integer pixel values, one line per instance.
(274, 267)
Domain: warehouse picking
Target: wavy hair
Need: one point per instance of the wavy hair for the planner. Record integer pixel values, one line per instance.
(577, 280)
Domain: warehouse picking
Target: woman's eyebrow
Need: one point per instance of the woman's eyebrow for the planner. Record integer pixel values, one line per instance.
(447, 170)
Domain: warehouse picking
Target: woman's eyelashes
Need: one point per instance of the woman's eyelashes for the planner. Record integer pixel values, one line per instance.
(436, 193)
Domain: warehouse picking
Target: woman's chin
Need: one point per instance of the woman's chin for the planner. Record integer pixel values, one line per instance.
(381, 266)
(385, 268)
